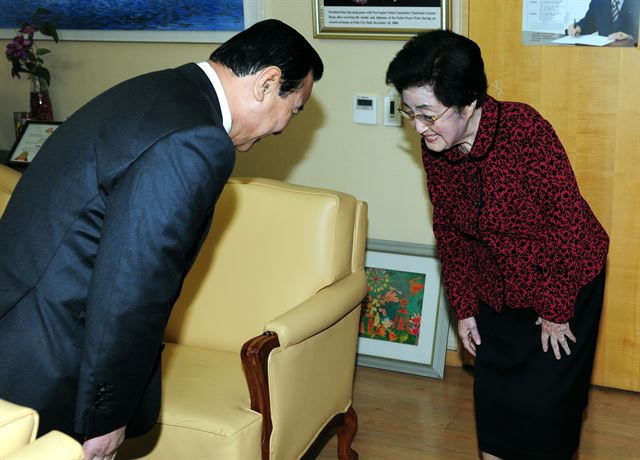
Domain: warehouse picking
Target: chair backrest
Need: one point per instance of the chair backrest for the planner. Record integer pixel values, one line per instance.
(8, 180)
(271, 246)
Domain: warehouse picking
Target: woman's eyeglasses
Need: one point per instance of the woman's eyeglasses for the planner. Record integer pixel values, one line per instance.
(427, 120)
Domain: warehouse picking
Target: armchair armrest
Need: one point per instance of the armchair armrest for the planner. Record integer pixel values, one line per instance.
(52, 445)
(309, 318)
(319, 311)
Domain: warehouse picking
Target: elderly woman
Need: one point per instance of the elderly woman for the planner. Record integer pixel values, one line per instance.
(523, 257)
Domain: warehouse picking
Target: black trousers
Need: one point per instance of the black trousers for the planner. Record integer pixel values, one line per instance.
(529, 405)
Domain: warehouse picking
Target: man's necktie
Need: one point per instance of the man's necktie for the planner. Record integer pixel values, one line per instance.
(615, 10)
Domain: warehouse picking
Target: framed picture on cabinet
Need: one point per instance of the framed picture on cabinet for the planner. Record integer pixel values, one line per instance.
(31, 138)
(404, 321)
(378, 19)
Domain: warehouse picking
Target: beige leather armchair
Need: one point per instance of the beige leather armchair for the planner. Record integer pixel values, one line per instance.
(261, 346)
(18, 428)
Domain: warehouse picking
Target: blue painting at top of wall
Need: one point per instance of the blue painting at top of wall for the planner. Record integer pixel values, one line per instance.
(160, 15)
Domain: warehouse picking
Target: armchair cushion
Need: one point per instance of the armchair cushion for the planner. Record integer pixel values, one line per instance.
(205, 408)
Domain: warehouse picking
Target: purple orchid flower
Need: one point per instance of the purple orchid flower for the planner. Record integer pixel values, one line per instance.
(18, 48)
(22, 52)
(28, 29)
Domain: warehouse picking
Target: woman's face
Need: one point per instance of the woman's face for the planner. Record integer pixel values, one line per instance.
(453, 128)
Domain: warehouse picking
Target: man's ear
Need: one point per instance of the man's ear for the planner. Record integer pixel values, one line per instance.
(267, 82)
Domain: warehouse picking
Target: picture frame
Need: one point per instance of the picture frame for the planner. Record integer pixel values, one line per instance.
(252, 12)
(404, 321)
(547, 22)
(32, 137)
(378, 19)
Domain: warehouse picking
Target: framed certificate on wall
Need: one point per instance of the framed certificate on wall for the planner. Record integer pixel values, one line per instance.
(378, 19)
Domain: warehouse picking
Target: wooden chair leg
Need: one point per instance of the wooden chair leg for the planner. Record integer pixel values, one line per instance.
(346, 433)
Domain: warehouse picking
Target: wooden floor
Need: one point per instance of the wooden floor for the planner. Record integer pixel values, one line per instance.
(407, 417)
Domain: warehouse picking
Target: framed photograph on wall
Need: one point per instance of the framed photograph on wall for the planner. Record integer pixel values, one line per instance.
(404, 321)
(378, 19)
(32, 137)
(190, 21)
(580, 23)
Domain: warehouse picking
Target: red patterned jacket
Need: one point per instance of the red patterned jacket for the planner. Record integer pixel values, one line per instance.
(510, 224)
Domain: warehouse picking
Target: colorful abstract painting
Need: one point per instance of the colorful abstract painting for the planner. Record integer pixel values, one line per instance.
(392, 310)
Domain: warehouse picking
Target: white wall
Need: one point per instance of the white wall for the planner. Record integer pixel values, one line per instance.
(323, 147)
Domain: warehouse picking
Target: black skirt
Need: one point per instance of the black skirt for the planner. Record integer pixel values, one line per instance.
(529, 405)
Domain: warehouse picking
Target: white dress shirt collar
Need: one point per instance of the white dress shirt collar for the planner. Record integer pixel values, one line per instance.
(222, 97)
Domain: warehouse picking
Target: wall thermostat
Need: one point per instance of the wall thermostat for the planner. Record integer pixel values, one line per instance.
(365, 109)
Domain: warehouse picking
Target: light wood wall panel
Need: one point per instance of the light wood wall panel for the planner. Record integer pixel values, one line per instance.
(592, 98)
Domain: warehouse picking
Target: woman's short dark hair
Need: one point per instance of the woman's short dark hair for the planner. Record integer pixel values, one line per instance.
(450, 63)
(271, 43)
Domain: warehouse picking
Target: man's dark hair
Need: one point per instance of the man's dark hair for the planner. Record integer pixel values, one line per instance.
(271, 43)
(450, 63)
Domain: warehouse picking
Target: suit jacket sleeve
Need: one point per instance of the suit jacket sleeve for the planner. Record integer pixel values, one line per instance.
(589, 24)
(153, 213)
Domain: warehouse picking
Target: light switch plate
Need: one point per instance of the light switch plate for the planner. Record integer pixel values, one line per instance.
(391, 115)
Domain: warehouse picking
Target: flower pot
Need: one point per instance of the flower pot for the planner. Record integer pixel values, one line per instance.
(41, 108)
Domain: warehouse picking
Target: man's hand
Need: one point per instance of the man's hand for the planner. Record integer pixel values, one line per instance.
(620, 36)
(103, 447)
(468, 332)
(574, 31)
(557, 334)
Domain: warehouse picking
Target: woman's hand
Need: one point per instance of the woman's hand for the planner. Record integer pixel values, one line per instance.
(468, 332)
(557, 334)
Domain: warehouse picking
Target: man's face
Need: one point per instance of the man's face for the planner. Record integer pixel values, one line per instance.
(273, 114)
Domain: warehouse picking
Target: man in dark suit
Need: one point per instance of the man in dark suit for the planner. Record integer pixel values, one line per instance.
(108, 219)
(616, 19)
